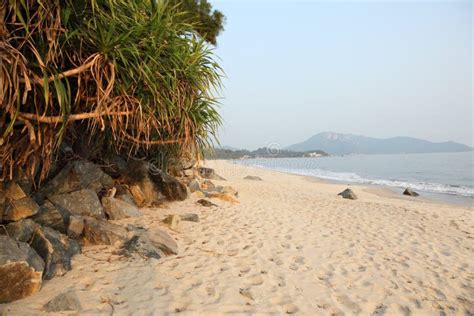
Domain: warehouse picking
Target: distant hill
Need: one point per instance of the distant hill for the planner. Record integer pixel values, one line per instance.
(335, 143)
(220, 153)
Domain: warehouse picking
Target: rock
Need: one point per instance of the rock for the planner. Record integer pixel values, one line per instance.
(222, 196)
(55, 249)
(199, 194)
(83, 202)
(21, 270)
(75, 227)
(205, 203)
(123, 194)
(348, 194)
(117, 209)
(254, 178)
(209, 173)
(13, 191)
(19, 209)
(190, 217)
(50, 216)
(75, 176)
(223, 189)
(208, 184)
(171, 187)
(152, 244)
(172, 221)
(64, 302)
(20, 231)
(194, 185)
(102, 232)
(138, 195)
(410, 192)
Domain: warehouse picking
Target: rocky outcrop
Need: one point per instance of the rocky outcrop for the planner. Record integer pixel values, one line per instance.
(55, 249)
(253, 178)
(348, 194)
(18, 209)
(101, 232)
(21, 270)
(117, 209)
(410, 192)
(83, 202)
(209, 173)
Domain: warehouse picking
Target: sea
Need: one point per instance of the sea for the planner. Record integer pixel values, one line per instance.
(447, 177)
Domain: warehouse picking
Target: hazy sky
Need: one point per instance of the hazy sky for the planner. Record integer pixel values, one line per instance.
(377, 68)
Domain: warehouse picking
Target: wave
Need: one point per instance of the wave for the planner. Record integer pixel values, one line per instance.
(355, 178)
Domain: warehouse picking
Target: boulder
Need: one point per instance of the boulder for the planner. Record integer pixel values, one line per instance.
(348, 194)
(169, 186)
(117, 209)
(20, 231)
(209, 173)
(21, 270)
(138, 174)
(13, 191)
(205, 203)
(190, 217)
(138, 195)
(55, 249)
(123, 194)
(64, 302)
(410, 192)
(172, 221)
(77, 175)
(253, 178)
(208, 184)
(51, 216)
(75, 227)
(194, 185)
(152, 244)
(19, 209)
(83, 202)
(102, 232)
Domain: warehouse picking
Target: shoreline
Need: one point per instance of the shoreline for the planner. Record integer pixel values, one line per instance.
(289, 245)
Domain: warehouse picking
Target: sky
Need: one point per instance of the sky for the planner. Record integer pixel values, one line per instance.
(374, 68)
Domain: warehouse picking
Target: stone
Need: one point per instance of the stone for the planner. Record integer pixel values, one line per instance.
(209, 173)
(83, 202)
(55, 249)
(152, 244)
(169, 186)
(13, 191)
(21, 270)
(172, 221)
(138, 195)
(123, 194)
(64, 302)
(75, 227)
(206, 203)
(194, 185)
(199, 194)
(50, 216)
(19, 209)
(254, 178)
(227, 197)
(410, 192)
(117, 209)
(76, 175)
(190, 217)
(208, 184)
(20, 231)
(223, 189)
(348, 194)
(138, 173)
(102, 232)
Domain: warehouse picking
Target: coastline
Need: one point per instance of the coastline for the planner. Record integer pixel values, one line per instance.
(290, 245)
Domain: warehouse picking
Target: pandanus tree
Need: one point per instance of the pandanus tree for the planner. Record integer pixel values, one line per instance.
(129, 75)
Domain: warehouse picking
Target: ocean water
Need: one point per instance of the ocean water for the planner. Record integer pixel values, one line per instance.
(442, 174)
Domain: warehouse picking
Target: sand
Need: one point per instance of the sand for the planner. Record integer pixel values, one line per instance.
(290, 246)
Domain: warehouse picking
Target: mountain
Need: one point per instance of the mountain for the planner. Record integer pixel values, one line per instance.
(335, 143)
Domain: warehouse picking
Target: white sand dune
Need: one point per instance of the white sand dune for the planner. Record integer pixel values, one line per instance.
(290, 246)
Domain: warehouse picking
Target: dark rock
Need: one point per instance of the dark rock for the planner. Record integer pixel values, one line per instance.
(348, 194)
(75, 227)
(155, 244)
(254, 178)
(138, 175)
(21, 270)
(209, 173)
(194, 185)
(171, 187)
(205, 203)
(410, 192)
(21, 231)
(117, 209)
(77, 175)
(64, 302)
(83, 202)
(190, 217)
(101, 232)
(19, 209)
(51, 216)
(172, 221)
(56, 250)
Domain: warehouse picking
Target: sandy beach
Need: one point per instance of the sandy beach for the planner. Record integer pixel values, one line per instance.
(290, 246)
